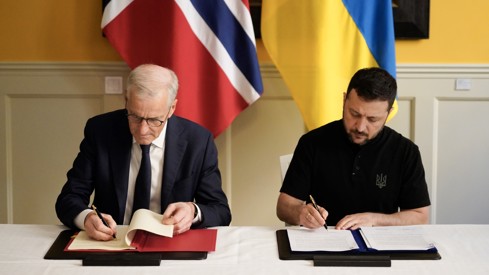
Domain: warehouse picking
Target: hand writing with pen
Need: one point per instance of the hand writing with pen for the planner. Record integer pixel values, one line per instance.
(313, 216)
(100, 226)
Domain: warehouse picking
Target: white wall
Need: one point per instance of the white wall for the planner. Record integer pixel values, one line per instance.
(44, 106)
(452, 130)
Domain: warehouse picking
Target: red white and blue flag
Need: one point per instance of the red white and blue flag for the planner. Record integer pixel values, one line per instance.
(209, 44)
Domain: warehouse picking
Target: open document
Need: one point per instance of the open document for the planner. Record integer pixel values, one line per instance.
(142, 219)
(395, 238)
(146, 233)
(367, 244)
(383, 238)
(303, 239)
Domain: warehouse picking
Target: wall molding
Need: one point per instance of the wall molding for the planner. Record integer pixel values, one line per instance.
(442, 70)
(63, 66)
(267, 69)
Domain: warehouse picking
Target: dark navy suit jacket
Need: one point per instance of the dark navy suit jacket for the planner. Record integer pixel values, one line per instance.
(102, 166)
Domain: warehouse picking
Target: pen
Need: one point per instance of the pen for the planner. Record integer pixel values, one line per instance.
(102, 218)
(317, 208)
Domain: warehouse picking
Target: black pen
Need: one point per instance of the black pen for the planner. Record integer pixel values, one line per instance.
(317, 208)
(102, 218)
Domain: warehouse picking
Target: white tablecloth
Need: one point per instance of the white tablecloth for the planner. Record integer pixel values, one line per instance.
(247, 250)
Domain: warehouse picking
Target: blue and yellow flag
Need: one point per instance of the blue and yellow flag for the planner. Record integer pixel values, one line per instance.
(317, 46)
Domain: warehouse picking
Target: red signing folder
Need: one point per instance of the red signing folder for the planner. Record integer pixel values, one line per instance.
(191, 241)
(146, 233)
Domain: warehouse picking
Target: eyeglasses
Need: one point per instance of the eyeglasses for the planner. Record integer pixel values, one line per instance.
(152, 122)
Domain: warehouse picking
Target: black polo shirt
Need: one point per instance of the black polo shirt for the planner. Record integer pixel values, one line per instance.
(381, 176)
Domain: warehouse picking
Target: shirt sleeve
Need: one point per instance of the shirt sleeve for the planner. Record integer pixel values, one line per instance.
(415, 190)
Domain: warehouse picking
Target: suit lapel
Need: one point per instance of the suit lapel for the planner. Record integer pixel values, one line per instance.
(120, 158)
(175, 147)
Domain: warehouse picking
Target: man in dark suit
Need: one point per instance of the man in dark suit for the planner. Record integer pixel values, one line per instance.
(185, 179)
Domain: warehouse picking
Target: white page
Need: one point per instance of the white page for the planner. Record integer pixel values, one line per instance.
(149, 221)
(395, 238)
(320, 239)
(84, 242)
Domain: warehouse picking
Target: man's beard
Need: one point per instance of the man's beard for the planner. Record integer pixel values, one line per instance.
(358, 134)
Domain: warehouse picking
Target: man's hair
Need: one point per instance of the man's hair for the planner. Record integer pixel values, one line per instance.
(374, 84)
(150, 80)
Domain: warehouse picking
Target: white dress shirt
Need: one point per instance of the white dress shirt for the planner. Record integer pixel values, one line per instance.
(156, 152)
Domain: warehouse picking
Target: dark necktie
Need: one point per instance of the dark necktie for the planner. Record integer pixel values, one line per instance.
(143, 181)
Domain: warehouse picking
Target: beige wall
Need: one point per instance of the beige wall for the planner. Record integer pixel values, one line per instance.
(44, 109)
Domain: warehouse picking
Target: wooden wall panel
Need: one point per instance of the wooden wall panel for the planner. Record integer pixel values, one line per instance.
(44, 107)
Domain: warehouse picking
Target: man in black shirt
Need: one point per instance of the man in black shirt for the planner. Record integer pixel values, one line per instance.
(360, 172)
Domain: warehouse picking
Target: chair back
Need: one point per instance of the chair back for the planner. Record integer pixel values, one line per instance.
(284, 164)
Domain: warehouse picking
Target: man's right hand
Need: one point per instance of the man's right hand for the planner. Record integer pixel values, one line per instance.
(311, 218)
(96, 229)
(295, 212)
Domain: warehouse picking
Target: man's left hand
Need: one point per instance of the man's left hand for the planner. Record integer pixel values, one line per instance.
(355, 221)
(180, 215)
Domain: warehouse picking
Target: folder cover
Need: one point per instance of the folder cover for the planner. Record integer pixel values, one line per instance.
(352, 260)
(57, 252)
(193, 240)
(285, 252)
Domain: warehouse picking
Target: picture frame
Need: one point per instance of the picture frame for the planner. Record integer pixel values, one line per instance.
(411, 18)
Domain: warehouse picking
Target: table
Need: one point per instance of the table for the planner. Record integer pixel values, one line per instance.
(246, 250)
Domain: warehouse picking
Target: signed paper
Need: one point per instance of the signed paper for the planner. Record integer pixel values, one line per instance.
(395, 238)
(303, 239)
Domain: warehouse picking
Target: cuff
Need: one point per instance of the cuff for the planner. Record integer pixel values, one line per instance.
(198, 214)
(80, 219)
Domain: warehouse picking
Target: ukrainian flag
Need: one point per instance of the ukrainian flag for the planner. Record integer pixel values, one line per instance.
(317, 46)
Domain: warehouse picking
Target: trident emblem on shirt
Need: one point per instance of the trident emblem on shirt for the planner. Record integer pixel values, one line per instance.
(381, 181)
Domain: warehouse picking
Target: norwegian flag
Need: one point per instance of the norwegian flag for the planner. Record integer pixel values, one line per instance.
(209, 44)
